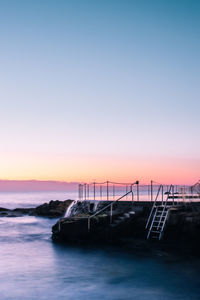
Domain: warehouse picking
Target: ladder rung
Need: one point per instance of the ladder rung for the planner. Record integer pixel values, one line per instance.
(155, 231)
(158, 221)
(156, 226)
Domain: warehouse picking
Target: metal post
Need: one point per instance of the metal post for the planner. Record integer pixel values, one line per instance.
(80, 189)
(138, 191)
(126, 191)
(94, 190)
(151, 190)
(162, 193)
(107, 190)
(85, 190)
(173, 194)
(192, 192)
(132, 193)
(79, 192)
(113, 191)
(88, 191)
(111, 213)
(101, 191)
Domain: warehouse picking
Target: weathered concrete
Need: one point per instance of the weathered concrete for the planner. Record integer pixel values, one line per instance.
(182, 230)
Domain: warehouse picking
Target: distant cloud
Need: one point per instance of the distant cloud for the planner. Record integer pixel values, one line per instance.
(36, 185)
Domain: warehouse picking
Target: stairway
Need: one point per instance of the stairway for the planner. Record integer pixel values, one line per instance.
(158, 222)
(121, 219)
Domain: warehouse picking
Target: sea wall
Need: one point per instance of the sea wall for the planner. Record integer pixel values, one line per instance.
(182, 230)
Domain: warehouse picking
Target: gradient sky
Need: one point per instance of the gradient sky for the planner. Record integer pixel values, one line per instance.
(100, 90)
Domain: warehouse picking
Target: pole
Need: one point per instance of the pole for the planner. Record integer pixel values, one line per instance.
(111, 212)
(85, 190)
(79, 192)
(88, 191)
(138, 191)
(132, 193)
(173, 194)
(151, 190)
(94, 190)
(107, 191)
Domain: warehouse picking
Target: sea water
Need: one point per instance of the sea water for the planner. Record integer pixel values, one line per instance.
(33, 267)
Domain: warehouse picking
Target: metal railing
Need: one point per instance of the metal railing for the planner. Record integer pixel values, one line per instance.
(113, 203)
(154, 204)
(107, 190)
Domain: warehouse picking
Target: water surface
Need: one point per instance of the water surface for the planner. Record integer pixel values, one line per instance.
(33, 267)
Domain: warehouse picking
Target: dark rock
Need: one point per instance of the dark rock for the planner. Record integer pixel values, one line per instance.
(17, 212)
(4, 209)
(53, 208)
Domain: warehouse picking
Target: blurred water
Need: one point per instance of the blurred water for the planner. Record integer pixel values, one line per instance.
(33, 267)
(32, 199)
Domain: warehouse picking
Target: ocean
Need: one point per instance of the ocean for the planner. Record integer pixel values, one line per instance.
(33, 267)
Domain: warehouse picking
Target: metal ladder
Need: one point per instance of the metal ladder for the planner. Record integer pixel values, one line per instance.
(158, 222)
(158, 215)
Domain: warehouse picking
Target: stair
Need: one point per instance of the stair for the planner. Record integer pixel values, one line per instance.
(121, 219)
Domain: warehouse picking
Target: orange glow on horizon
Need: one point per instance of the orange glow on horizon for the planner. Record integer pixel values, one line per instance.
(87, 168)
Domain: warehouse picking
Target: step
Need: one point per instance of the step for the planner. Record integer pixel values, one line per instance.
(131, 212)
(158, 221)
(161, 215)
(155, 231)
(127, 215)
(117, 222)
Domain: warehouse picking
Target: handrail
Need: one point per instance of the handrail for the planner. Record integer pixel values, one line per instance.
(158, 192)
(165, 202)
(120, 183)
(110, 204)
(171, 186)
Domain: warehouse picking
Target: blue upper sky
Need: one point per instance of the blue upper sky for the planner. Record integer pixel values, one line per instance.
(100, 79)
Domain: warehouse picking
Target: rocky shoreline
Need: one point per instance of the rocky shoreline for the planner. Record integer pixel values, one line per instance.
(127, 229)
(53, 209)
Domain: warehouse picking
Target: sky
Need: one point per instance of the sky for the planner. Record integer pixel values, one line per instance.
(100, 90)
